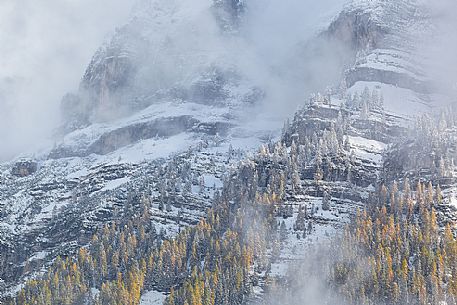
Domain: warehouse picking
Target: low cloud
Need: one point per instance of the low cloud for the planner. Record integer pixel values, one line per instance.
(44, 49)
(277, 33)
(439, 49)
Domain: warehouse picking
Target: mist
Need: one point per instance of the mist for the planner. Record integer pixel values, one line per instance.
(439, 50)
(307, 281)
(268, 48)
(44, 48)
(278, 33)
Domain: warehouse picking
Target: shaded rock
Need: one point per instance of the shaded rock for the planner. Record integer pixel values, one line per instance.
(229, 13)
(24, 168)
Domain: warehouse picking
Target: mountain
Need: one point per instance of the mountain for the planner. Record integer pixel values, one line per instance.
(167, 123)
(135, 120)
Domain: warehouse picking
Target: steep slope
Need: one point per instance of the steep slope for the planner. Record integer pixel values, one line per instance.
(388, 38)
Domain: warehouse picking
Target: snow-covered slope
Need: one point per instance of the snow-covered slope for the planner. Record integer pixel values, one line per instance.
(389, 37)
(162, 99)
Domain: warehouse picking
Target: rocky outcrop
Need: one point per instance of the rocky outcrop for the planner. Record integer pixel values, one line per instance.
(140, 66)
(24, 168)
(357, 29)
(213, 88)
(229, 13)
(382, 38)
(161, 128)
(402, 80)
(105, 87)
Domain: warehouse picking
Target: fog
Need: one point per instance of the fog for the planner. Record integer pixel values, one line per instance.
(276, 27)
(439, 50)
(44, 48)
(307, 281)
(277, 33)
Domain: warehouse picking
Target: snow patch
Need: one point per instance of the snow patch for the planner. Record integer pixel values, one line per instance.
(152, 298)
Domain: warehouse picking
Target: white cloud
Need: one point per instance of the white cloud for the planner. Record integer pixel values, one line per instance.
(440, 48)
(44, 48)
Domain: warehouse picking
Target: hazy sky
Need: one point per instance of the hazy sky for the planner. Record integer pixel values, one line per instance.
(45, 45)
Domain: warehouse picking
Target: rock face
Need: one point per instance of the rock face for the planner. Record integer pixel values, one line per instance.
(385, 36)
(105, 87)
(160, 128)
(399, 79)
(356, 27)
(148, 61)
(24, 168)
(229, 13)
(113, 71)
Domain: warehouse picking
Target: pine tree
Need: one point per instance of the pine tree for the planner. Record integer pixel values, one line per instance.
(326, 201)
